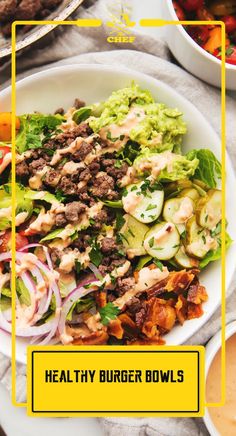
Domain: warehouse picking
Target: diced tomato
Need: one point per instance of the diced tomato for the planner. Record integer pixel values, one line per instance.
(191, 5)
(5, 241)
(203, 14)
(230, 54)
(230, 23)
(200, 34)
(6, 126)
(179, 11)
(214, 40)
(3, 151)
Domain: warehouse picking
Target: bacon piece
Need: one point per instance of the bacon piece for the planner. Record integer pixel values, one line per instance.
(159, 314)
(95, 338)
(194, 311)
(130, 328)
(115, 328)
(177, 281)
(101, 298)
(181, 308)
(197, 293)
(156, 340)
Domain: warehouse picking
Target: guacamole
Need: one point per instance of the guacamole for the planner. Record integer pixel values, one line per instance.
(140, 119)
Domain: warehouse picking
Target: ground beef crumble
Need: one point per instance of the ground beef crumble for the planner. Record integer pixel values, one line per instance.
(11, 10)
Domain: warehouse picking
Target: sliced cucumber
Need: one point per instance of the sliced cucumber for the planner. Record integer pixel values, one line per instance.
(170, 208)
(184, 260)
(173, 211)
(162, 241)
(133, 233)
(208, 209)
(142, 204)
(191, 193)
(198, 240)
(201, 185)
(177, 186)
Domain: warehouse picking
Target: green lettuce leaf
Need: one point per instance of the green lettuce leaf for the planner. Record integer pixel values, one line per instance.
(41, 195)
(209, 168)
(22, 292)
(36, 129)
(84, 304)
(214, 255)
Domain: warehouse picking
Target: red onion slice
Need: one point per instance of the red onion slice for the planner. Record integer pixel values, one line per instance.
(74, 296)
(95, 271)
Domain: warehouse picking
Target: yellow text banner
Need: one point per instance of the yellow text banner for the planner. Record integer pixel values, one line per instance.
(116, 381)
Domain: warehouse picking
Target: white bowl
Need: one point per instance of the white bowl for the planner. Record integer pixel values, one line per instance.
(211, 349)
(58, 87)
(193, 57)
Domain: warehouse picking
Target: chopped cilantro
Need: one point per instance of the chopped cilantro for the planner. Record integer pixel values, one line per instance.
(60, 195)
(110, 137)
(120, 221)
(151, 207)
(7, 189)
(118, 164)
(125, 192)
(158, 264)
(151, 242)
(96, 254)
(108, 313)
(131, 233)
(77, 266)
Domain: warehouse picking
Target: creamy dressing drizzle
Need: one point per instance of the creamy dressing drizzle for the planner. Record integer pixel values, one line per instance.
(209, 243)
(224, 418)
(146, 279)
(115, 131)
(72, 148)
(21, 218)
(71, 167)
(185, 211)
(35, 182)
(129, 178)
(131, 201)
(161, 235)
(157, 163)
(6, 212)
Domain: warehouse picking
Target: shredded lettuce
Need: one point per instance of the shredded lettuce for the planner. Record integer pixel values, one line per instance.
(22, 292)
(23, 204)
(41, 195)
(35, 129)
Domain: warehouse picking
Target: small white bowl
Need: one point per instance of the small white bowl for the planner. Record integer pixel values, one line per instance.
(193, 57)
(211, 349)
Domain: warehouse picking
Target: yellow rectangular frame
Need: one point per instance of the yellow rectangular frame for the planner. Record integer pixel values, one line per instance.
(143, 23)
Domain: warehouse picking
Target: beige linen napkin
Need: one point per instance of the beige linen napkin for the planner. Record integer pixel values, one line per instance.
(151, 56)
